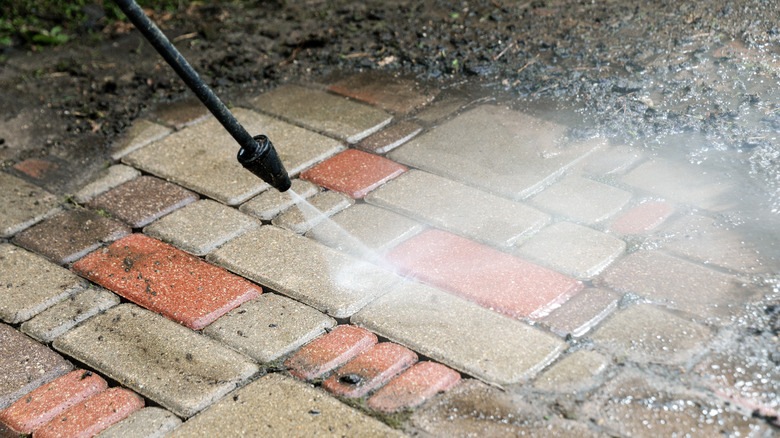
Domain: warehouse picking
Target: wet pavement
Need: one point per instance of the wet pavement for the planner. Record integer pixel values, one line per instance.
(470, 269)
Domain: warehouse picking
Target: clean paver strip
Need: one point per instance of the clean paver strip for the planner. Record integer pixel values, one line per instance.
(581, 200)
(22, 204)
(150, 422)
(582, 312)
(271, 203)
(573, 372)
(171, 364)
(304, 215)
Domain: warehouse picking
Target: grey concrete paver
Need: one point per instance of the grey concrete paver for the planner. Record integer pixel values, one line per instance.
(271, 203)
(582, 312)
(276, 405)
(137, 136)
(308, 271)
(216, 173)
(201, 227)
(496, 149)
(388, 92)
(458, 208)
(31, 284)
(304, 215)
(323, 112)
(106, 180)
(608, 161)
(176, 367)
(68, 313)
(389, 138)
(572, 373)
(150, 422)
(581, 200)
(460, 334)
(22, 204)
(269, 327)
(572, 249)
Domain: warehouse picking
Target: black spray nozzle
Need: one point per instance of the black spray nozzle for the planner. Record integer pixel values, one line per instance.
(265, 163)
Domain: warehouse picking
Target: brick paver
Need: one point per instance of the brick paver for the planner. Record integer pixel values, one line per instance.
(518, 155)
(304, 215)
(330, 351)
(93, 415)
(458, 208)
(149, 422)
(370, 370)
(106, 180)
(308, 271)
(31, 284)
(270, 203)
(50, 400)
(180, 113)
(166, 280)
(389, 138)
(643, 218)
(68, 313)
(365, 231)
(646, 333)
(201, 227)
(493, 279)
(440, 109)
(413, 387)
(137, 136)
(281, 406)
(581, 200)
(354, 173)
(572, 249)
(572, 373)
(180, 369)
(323, 112)
(142, 200)
(612, 160)
(391, 93)
(35, 168)
(582, 312)
(216, 173)
(22, 204)
(269, 327)
(460, 334)
(69, 236)
(25, 365)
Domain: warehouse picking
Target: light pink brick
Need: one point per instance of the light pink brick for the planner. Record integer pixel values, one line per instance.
(93, 415)
(330, 351)
(643, 218)
(413, 387)
(370, 370)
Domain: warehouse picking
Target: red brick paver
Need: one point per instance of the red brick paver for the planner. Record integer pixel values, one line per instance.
(354, 172)
(93, 415)
(643, 218)
(493, 279)
(40, 406)
(330, 351)
(35, 168)
(370, 370)
(413, 387)
(166, 280)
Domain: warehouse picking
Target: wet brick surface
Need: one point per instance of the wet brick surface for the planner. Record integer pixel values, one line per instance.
(22, 204)
(137, 136)
(354, 173)
(302, 216)
(581, 200)
(413, 387)
(573, 372)
(582, 312)
(643, 218)
(389, 138)
(330, 351)
(270, 203)
(370, 370)
(398, 95)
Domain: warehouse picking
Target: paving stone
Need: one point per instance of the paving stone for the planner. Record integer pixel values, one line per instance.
(93, 415)
(270, 203)
(323, 112)
(610, 161)
(180, 369)
(581, 200)
(572, 249)
(365, 231)
(31, 284)
(180, 113)
(646, 333)
(518, 156)
(488, 277)
(269, 327)
(142, 200)
(50, 172)
(326, 279)
(201, 227)
(389, 138)
(684, 183)
(572, 373)
(166, 280)
(25, 365)
(413, 387)
(213, 169)
(676, 283)
(643, 218)
(458, 208)
(582, 312)
(455, 332)
(35, 168)
(304, 215)
(370, 370)
(354, 173)
(68, 313)
(391, 93)
(22, 205)
(106, 180)
(148, 422)
(704, 240)
(142, 133)
(440, 109)
(330, 351)
(277, 405)
(70, 235)
(50, 400)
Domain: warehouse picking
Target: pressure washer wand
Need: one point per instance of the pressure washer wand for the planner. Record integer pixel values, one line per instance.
(257, 154)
